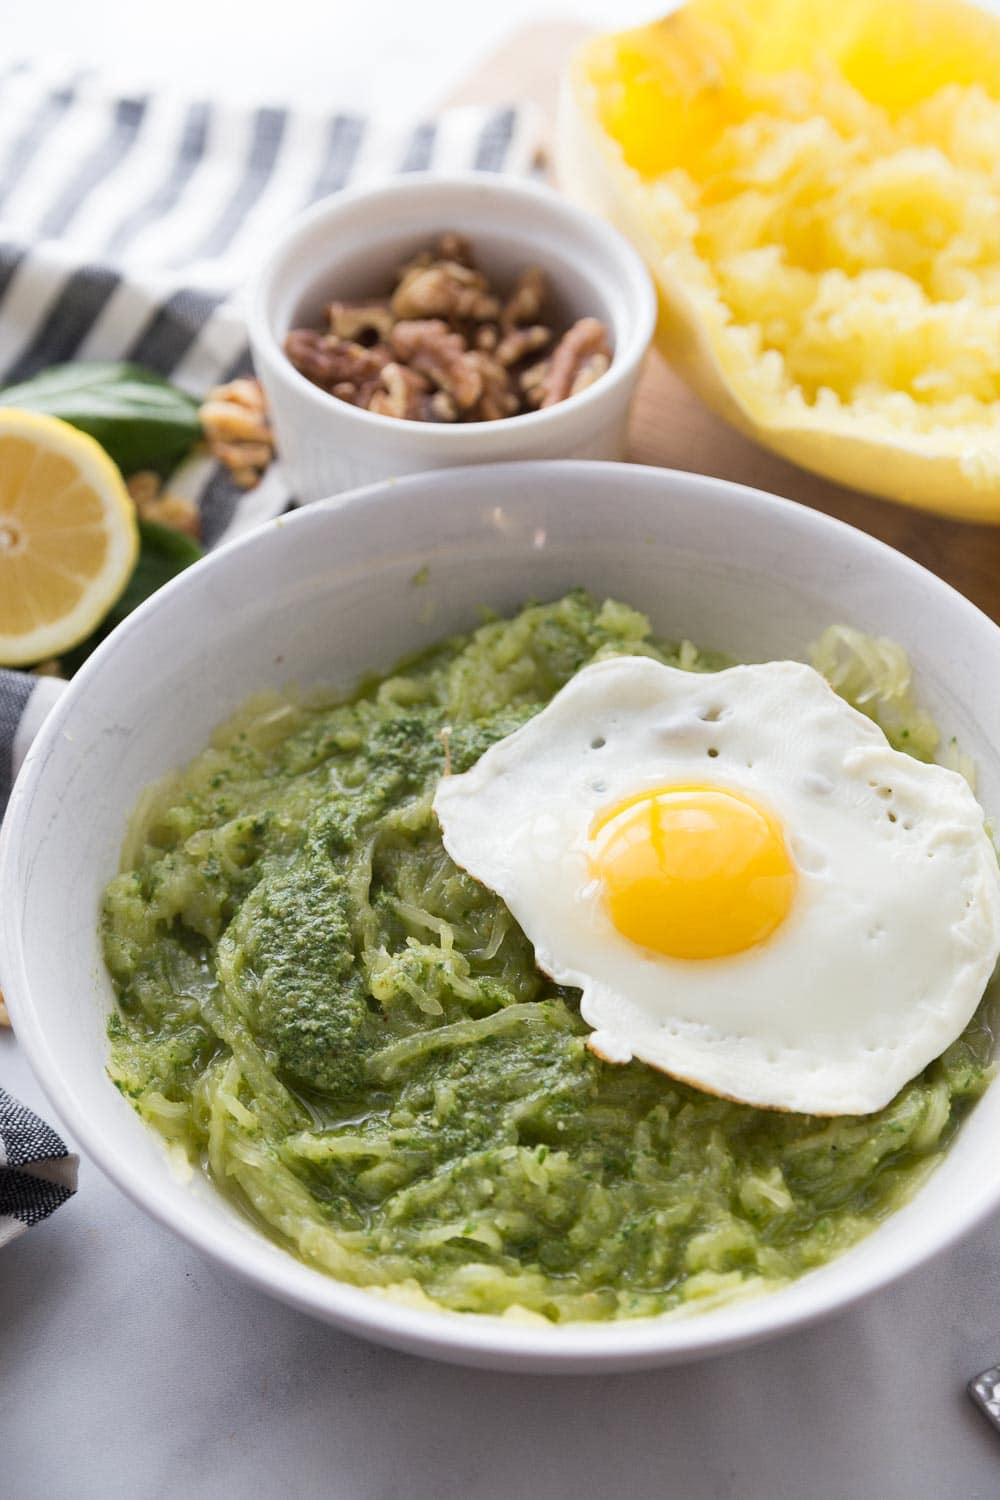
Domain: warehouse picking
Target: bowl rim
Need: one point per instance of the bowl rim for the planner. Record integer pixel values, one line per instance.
(625, 356)
(472, 1339)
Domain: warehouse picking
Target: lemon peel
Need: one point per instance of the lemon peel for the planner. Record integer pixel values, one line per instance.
(68, 536)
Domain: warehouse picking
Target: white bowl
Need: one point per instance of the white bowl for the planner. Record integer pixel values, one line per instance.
(348, 246)
(339, 589)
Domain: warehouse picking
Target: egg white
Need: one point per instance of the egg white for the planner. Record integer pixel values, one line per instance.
(895, 927)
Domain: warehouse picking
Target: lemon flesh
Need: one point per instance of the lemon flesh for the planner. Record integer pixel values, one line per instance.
(68, 536)
(816, 188)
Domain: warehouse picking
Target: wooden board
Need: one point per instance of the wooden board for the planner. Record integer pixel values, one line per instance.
(671, 427)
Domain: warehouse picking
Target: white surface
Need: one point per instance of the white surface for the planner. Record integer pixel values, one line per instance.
(350, 243)
(383, 55)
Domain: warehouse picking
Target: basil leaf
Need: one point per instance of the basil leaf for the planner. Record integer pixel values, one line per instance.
(138, 418)
(163, 553)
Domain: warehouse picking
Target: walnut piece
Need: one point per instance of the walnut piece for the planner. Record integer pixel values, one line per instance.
(440, 408)
(329, 361)
(532, 382)
(400, 392)
(452, 246)
(526, 301)
(429, 345)
(499, 398)
(518, 343)
(353, 320)
(245, 461)
(309, 352)
(403, 392)
(143, 486)
(152, 503)
(445, 289)
(579, 358)
(236, 426)
(175, 511)
(233, 422)
(590, 369)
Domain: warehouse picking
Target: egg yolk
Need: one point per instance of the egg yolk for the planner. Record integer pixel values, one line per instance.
(692, 871)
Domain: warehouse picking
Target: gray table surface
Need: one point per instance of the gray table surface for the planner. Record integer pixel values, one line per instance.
(132, 1366)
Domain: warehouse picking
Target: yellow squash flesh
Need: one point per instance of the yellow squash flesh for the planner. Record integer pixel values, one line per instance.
(815, 186)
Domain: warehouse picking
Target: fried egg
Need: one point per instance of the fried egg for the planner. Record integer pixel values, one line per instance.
(753, 891)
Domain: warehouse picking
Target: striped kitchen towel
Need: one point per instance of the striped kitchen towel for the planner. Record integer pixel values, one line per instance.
(127, 226)
(37, 1173)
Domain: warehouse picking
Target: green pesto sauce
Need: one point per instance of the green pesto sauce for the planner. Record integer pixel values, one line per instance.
(350, 1034)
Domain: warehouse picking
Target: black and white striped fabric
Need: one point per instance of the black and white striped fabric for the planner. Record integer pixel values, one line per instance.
(127, 228)
(15, 690)
(37, 1173)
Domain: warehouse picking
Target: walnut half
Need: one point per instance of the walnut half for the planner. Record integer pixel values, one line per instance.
(430, 346)
(400, 392)
(445, 289)
(235, 423)
(580, 357)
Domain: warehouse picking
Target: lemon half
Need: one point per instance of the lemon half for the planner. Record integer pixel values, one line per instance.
(815, 186)
(68, 536)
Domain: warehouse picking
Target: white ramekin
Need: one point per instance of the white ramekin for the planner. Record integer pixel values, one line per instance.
(349, 245)
(348, 587)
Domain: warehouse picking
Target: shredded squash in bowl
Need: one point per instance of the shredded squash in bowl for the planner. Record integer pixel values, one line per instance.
(351, 1034)
(815, 185)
